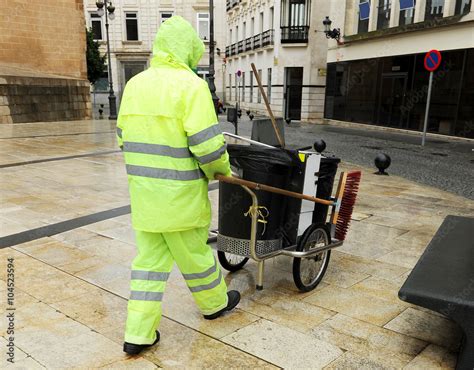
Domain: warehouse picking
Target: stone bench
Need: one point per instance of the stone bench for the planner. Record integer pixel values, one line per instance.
(443, 280)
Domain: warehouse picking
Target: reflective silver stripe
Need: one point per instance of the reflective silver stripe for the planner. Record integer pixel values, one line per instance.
(156, 149)
(119, 132)
(208, 158)
(150, 275)
(163, 173)
(211, 285)
(201, 275)
(204, 135)
(146, 296)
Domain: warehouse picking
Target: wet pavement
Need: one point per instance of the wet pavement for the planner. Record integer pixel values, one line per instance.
(63, 188)
(444, 163)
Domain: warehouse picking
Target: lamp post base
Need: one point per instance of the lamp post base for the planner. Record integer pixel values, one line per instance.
(112, 107)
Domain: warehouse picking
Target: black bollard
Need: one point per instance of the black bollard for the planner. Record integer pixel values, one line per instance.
(251, 116)
(382, 162)
(288, 121)
(239, 113)
(319, 145)
(248, 112)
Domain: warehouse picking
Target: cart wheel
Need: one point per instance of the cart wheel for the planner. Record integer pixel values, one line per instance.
(308, 272)
(231, 262)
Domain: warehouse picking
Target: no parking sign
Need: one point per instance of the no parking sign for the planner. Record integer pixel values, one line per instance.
(431, 62)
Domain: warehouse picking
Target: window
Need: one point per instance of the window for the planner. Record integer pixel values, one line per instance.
(364, 15)
(259, 94)
(295, 20)
(236, 34)
(165, 15)
(269, 85)
(203, 72)
(383, 18)
(230, 86)
(271, 18)
(252, 26)
(261, 22)
(251, 87)
(434, 9)
(230, 36)
(102, 84)
(407, 15)
(236, 87)
(295, 13)
(242, 94)
(244, 26)
(96, 26)
(462, 6)
(203, 25)
(131, 24)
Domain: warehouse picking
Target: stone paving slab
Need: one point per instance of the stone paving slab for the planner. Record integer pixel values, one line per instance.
(72, 287)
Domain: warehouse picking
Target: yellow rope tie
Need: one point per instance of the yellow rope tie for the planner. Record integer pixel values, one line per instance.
(261, 216)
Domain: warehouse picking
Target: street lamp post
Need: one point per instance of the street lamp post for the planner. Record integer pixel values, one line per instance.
(212, 85)
(109, 13)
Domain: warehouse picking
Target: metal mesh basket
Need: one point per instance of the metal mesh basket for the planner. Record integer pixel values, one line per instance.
(241, 247)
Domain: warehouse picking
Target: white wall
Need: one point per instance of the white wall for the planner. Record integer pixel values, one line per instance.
(311, 56)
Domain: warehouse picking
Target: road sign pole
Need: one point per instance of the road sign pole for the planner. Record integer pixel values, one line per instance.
(427, 111)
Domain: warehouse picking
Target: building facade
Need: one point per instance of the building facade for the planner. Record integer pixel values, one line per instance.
(132, 33)
(377, 75)
(284, 39)
(42, 76)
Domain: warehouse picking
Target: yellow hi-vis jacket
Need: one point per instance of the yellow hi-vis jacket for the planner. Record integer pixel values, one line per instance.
(170, 135)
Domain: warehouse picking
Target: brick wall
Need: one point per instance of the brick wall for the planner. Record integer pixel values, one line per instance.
(44, 35)
(33, 99)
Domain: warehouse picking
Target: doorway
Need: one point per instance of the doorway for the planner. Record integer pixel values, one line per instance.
(130, 69)
(392, 100)
(293, 92)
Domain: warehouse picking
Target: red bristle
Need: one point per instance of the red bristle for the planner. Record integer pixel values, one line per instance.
(347, 204)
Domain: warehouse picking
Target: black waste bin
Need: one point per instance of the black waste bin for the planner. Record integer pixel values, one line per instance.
(292, 211)
(269, 166)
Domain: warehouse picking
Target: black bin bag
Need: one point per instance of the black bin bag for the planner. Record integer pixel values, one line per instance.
(269, 166)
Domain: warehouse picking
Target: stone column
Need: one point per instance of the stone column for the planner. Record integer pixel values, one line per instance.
(373, 16)
(420, 11)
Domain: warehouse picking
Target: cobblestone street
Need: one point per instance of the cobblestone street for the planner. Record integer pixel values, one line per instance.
(64, 219)
(445, 162)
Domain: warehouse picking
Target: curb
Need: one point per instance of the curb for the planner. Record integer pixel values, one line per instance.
(331, 122)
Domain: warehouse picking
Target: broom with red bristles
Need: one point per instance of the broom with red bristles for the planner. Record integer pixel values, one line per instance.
(343, 205)
(346, 196)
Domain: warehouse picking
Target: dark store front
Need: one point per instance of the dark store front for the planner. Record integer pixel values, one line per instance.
(392, 92)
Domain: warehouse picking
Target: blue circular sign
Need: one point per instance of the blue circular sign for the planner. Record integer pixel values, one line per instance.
(432, 60)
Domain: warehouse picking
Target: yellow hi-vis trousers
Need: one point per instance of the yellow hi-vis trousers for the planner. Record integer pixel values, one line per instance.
(151, 268)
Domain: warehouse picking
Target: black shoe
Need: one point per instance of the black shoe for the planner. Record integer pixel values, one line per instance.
(135, 349)
(234, 299)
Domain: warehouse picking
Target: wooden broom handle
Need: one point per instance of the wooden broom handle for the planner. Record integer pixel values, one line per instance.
(267, 104)
(257, 186)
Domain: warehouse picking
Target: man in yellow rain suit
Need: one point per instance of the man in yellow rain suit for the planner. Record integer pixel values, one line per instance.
(169, 133)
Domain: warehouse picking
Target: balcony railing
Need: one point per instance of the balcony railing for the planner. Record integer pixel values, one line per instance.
(267, 38)
(231, 3)
(252, 43)
(257, 41)
(293, 34)
(240, 47)
(248, 44)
